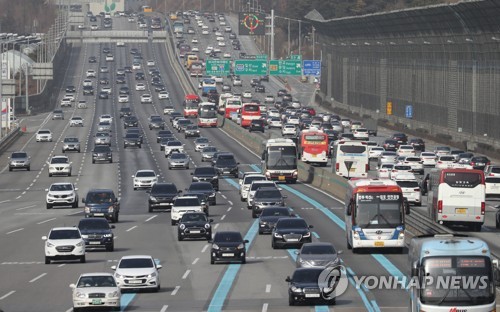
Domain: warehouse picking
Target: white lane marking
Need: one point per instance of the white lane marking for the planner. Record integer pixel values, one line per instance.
(115, 237)
(18, 197)
(69, 310)
(223, 196)
(205, 248)
(264, 307)
(223, 217)
(229, 209)
(216, 226)
(230, 202)
(268, 288)
(5, 201)
(27, 207)
(151, 218)
(14, 231)
(195, 261)
(38, 277)
(48, 220)
(186, 274)
(7, 294)
(74, 213)
(61, 265)
(164, 308)
(132, 228)
(176, 289)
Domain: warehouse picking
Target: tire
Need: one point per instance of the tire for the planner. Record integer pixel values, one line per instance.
(254, 215)
(63, 151)
(47, 260)
(497, 223)
(244, 260)
(291, 301)
(212, 260)
(93, 161)
(179, 238)
(29, 168)
(150, 208)
(349, 246)
(332, 301)
(111, 161)
(273, 244)
(50, 174)
(82, 259)
(75, 204)
(135, 188)
(173, 222)
(10, 169)
(261, 232)
(111, 247)
(69, 174)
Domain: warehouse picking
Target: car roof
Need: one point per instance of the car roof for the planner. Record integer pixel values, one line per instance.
(96, 274)
(136, 257)
(61, 183)
(64, 228)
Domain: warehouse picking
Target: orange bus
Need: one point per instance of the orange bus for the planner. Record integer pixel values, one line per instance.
(249, 112)
(313, 147)
(190, 104)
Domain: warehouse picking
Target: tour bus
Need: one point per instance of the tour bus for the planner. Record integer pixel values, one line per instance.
(190, 59)
(207, 85)
(190, 105)
(207, 115)
(313, 147)
(233, 104)
(184, 49)
(196, 69)
(457, 197)
(451, 273)
(375, 214)
(351, 159)
(279, 160)
(178, 27)
(249, 112)
(222, 102)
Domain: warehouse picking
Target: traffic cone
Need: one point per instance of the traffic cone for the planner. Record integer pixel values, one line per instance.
(23, 128)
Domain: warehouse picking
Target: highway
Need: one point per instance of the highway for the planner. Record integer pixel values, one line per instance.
(189, 281)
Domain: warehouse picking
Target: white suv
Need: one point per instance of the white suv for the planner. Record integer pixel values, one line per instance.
(62, 194)
(182, 205)
(64, 243)
(43, 135)
(146, 98)
(415, 162)
(411, 189)
(247, 181)
(144, 179)
(76, 121)
(59, 165)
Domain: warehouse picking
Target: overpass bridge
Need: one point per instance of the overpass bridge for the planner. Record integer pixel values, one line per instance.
(113, 36)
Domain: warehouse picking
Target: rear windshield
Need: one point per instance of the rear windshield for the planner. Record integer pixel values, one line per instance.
(353, 149)
(207, 170)
(492, 180)
(408, 183)
(187, 202)
(462, 179)
(257, 185)
(159, 187)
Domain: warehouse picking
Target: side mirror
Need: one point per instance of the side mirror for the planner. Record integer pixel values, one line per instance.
(46, 190)
(112, 226)
(246, 241)
(288, 279)
(339, 252)
(113, 267)
(211, 220)
(44, 237)
(72, 286)
(133, 176)
(159, 266)
(191, 173)
(210, 241)
(311, 226)
(76, 189)
(83, 200)
(349, 209)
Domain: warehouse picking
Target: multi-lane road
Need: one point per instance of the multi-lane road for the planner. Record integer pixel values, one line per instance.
(189, 282)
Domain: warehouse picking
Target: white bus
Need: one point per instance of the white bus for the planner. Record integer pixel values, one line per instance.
(222, 102)
(457, 197)
(351, 159)
(279, 160)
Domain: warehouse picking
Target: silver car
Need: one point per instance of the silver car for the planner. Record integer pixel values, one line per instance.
(207, 153)
(104, 126)
(19, 160)
(71, 144)
(387, 157)
(317, 255)
(200, 144)
(102, 138)
(178, 160)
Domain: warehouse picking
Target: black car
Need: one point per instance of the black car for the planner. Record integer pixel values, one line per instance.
(162, 134)
(264, 78)
(104, 81)
(139, 76)
(70, 89)
(254, 82)
(124, 90)
(418, 144)
(102, 203)
(266, 197)
(102, 153)
(92, 59)
(269, 216)
(257, 125)
(88, 90)
(125, 112)
(106, 50)
(206, 174)
(130, 121)
(132, 139)
(228, 246)
(390, 145)
(291, 232)
(479, 162)
(103, 95)
(304, 286)
(260, 88)
(206, 188)
(120, 80)
(156, 122)
(401, 138)
(191, 131)
(160, 87)
(162, 195)
(96, 232)
(194, 225)
(225, 164)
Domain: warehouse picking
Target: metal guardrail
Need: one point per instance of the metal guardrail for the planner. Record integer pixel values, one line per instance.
(9, 138)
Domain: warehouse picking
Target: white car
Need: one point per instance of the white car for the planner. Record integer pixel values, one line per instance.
(428, 159)
(70, 96)
(90, 284)
(201, 143)
(492, 186)
(140, 87)
(217, 50)
(274, 122)
(384, 171)
(346, 122)
(289, 129)
(218, 34)
(110, 58)
(228, 29)
(137, 271)
(221, 44)
(43, 135)
(131, 19)
(222, 23)
(76, 121)
(136, 65)
(415, 162)
(247, 94)
(406, 150)
(375, 152)
(64, 243)
(361, 134)
(269, 99)
(59, 165)
(163, 95)
(108, 90)
(398, 169)
(61, 194)
(123, 98)
(66, 102)
(445, 161)
(150, 63)
(90, 73)
(204, 27)
(106, 118)
(247, 181)
(410, 188)
(120, 44)
(183, 204)
(173, 146)
(442, 150)
(492, 171)
(205, 32)
(194, 41)
(144, 179)
(355, 125)
(226, 55)
(82, 104)
(87, 83)
(195, 49)
(104, 69)
(146, 98)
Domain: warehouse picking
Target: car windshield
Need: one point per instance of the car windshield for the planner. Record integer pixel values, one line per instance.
(65, 234)
(209, 149)
(413, 184)
(135, 263)
(93, 224)
(201, 187)
(205, 171)
(145, 174)
(307, 276)
(102, 149)
(268, 212)
(19, 155)
(102, 134)
(96, 281)
(164, 188)
(317, 250)
(291, 224)
(255, 186)
(59, 160)
(194, 217)
(193, 201)
(267, 194)
(71, 140)
(99, 198)
(227, 237)
(225, 161)
(174, 143)
(61, 187)
(178, 156)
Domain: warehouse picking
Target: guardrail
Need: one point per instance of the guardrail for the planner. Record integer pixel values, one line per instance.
(6, 141)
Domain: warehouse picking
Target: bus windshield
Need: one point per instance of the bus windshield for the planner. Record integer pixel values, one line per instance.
(282, 157)
(314, 138)
(474, 286)
(379, 210)
(251, 108)
(208, 111)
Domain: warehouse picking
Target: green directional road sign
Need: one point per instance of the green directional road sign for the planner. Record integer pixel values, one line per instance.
(261, 57)
(285, 67)
(218, 67)
(250, 67)
(296, 57)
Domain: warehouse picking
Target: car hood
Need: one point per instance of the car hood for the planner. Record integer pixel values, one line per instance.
(64, 242)
(61, 192)
(135, 271)
(88, 290)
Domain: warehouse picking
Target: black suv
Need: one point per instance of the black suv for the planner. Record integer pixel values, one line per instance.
(206, 174)
(130, 121)
(163, 134)
(226, 164)
(162, 195)
(270, 216)
(194, 225)
(205, 188)
(401, 138)
(257, 125)
(418, 144)
(102, 153)
(228, 246)
(156, 122)
(102, 203)
(291, 232)
(132, 139)
(125, 112)
(96, 232)
(266, 197)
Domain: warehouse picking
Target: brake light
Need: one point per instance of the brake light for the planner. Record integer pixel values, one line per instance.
(483, 208)
(440, 206)
(337, 167)
(472, 163)
(417, 189)
(491, 174)
(367, 167)
(440, 162)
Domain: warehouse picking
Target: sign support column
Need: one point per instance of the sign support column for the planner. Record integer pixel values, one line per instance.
(272, 34)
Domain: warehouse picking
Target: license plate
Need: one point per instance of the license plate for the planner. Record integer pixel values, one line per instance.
(228, 255)
(293, 240)
(312, 295)
(352, 170)
(281, 178)
(195, 232)
(96, 301)
(460, 210)
(314, 156)
(134, 282)
(379, 244)
(94, 243)
(99, 214)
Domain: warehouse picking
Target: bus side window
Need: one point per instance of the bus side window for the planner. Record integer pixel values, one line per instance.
(349, 208)
(264, 155)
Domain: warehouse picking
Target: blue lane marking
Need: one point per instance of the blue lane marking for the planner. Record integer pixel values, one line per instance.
(315, 234)
(392, 269)
(230, 181)
(126, 299)
(367, 303)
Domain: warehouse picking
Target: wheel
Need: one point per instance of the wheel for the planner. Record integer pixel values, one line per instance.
(349, 246)
(291, 301)
(477, 227)
(82, 259)
(157, 289)
(179, 237)
(111, 161)
(64, 151)
(69, 174)
(93, 161)
(47, 260)
(261, 232)
(254, 215)
(173, 222)
(50, 174)
(169, 168)
(150, 208)
(244, 260)
(78, 151)
(187, 167)
(110, 247)
(116, 217)
(75, 204)
(497, 223)
(135, 188)
(10, 169)
(212, 260)
(273, 244)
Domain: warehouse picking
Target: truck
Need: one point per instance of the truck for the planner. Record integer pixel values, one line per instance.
(451, 272)
(371, 125)
(279, 160)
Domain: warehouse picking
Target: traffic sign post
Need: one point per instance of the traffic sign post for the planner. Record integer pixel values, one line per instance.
(218, 67)
(311, 68)
(285, 67)
(250, 67)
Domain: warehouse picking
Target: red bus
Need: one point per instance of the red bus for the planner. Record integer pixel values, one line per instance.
(313, 147)
(190, 105)
(249, 112)
(233, 104)
(207, 115)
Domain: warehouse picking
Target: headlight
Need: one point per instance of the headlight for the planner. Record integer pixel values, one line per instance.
(355, 235)
(87, 210)
(118, 275)
(152, 198)
(215, 177)
(295, 173)
(241, 246)
(114, 294)
(85, 236)
(214, 246)
(207, 226)
(80, 244)
(80, 295)
(111, 209)
(277, 235)
(108, 235)
(401, 235)
(49, 244)
(307, 234)
(152, 274)
(182, 226)
(296, 289)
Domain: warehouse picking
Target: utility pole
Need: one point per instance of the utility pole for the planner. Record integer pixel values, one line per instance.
(314, 42)
(272, 34)
(300, 43)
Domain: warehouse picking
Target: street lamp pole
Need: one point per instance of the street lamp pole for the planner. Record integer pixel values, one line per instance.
(272, 34)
